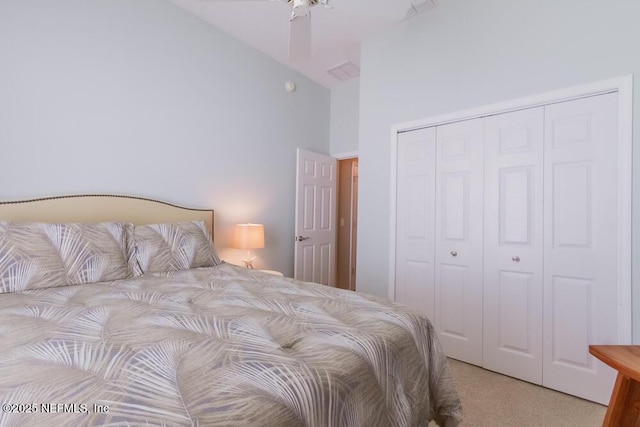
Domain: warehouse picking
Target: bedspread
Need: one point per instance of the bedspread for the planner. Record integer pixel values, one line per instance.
(219, 346)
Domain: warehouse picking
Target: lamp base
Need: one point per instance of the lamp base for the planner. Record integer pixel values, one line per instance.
(248, 262)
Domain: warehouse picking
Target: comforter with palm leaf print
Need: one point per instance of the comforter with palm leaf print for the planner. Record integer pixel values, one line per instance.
(220, 346)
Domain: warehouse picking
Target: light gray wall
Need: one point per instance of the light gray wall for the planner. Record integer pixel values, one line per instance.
(345, 108)
(139, 97)
(471, 53)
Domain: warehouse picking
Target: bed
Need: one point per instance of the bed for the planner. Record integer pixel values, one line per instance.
(116, 310)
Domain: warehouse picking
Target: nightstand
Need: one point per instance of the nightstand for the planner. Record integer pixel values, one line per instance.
(275, 273)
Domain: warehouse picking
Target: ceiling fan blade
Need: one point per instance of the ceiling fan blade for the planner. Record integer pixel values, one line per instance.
(300, 38)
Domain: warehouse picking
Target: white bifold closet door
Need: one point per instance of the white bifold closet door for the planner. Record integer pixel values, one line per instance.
(458, 239)
(507, 236)
(580, 244)
(550, 244)
(415, 198)
(513, 234)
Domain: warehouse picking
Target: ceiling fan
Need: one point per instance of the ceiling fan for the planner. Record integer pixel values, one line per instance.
(300, 26)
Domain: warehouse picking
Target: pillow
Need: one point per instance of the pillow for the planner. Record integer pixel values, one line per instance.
(156, 248)
(36, 255)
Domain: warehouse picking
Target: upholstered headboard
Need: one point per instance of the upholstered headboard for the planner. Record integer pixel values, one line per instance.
(91, 208)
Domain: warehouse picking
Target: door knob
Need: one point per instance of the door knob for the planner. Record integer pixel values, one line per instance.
(454, 253)
(515, 259)
(300, 238)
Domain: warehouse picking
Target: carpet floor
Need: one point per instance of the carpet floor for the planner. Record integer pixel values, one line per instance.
(491, 399)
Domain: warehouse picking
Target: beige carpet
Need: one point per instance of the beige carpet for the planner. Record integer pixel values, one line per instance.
(490, 399)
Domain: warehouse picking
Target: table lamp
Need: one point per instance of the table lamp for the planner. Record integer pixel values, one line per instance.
(249, 236)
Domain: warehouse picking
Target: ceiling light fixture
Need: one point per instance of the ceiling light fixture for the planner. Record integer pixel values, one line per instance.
(300, 8)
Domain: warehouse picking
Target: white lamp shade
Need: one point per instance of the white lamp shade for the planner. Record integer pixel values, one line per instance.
(249, 236)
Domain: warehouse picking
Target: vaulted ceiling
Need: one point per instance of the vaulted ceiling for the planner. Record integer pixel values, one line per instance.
(336, 32)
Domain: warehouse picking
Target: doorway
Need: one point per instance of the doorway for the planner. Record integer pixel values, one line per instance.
(347, 223)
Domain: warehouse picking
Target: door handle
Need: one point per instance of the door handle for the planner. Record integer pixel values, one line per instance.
(300, 238)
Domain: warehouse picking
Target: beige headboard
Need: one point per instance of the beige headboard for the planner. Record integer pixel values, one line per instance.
(99, 208)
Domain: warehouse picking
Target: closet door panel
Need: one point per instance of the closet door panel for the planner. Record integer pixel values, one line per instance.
(415, 197)
(458, 237)
(580, 296)
(513, 244)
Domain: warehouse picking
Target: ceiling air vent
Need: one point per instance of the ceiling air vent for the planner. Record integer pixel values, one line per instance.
(345, 71)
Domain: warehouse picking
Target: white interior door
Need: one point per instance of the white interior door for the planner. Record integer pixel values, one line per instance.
(315, 217)
(581, 240)
(415, 220)
(458, 239)
(513, 244)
